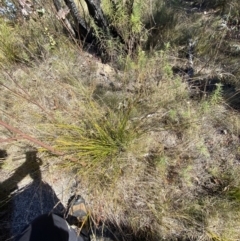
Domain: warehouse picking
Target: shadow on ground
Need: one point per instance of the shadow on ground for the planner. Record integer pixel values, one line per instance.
(19, 207)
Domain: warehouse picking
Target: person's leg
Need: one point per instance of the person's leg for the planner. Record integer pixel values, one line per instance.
(49, 228)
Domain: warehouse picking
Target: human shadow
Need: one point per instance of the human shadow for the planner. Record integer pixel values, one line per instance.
(18, 207)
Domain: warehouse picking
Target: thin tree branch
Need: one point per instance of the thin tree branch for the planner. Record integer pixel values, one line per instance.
(32, 139)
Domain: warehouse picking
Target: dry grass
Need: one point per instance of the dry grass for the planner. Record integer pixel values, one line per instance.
(152, 162)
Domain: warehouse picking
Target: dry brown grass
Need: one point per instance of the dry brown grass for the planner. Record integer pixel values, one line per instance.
(172, 176)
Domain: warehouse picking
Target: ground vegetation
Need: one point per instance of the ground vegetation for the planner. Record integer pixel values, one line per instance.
(152, 134)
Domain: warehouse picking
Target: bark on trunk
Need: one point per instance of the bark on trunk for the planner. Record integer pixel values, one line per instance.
(87, 33)
(96, 13)
(83, 31)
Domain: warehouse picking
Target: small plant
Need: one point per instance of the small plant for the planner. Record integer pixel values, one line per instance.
(97, 135)
(10, 43)
(217, 95)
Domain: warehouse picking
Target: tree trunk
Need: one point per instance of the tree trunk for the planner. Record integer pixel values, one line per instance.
(87, 33)
(83, 31)
(96, 13)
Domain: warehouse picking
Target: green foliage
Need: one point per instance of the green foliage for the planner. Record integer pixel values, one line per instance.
(98, 135)
(136, 17)
(11, 44)
(217, 95)
(129, 25)
(24, 42)
(234, 193)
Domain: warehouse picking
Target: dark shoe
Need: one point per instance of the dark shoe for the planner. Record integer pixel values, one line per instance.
(77, 215)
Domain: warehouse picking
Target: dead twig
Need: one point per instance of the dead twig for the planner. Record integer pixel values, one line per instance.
(32, 139)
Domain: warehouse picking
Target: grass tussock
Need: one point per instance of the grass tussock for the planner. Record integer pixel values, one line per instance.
(97, 135)
(10, 43)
